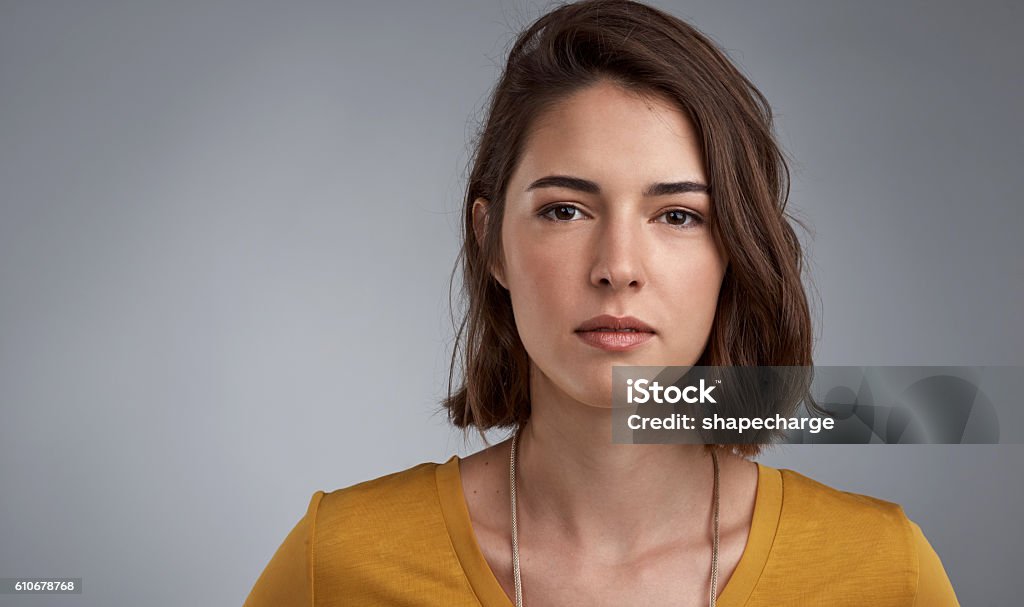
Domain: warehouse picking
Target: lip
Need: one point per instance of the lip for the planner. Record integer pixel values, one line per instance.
(607, 321)
(615, 340)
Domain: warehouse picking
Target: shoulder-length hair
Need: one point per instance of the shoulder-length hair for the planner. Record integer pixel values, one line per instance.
(762, 316)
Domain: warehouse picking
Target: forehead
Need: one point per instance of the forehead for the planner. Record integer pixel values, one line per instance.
(614, 136)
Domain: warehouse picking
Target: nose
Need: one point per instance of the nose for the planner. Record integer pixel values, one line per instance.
(618, 254)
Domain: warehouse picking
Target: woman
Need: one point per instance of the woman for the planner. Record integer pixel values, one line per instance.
(625, 207)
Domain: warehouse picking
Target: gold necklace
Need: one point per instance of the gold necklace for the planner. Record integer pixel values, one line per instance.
(515, 529)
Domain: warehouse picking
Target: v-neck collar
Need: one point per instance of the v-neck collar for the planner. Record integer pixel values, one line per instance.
(763, 526)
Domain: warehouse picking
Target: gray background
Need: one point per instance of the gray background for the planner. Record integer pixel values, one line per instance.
(226, 232)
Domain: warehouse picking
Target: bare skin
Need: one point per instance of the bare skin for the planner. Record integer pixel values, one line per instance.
(603, 523)
(557, 570)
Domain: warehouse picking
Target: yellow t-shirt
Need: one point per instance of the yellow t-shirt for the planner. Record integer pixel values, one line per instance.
(406, 539)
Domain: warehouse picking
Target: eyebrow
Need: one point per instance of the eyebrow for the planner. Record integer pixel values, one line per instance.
(590, 187)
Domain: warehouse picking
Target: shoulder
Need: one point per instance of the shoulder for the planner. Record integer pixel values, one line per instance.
(860, 538)
(813, 505)
(831, 543)
(358, 542)
(385, 541)
(398, 501)
(394, 486)
(817, 519)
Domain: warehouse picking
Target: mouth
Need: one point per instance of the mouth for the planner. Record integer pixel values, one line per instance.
(607, 323)
(615, 334)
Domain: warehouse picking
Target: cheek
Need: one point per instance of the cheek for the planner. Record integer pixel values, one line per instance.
(695, 285)
(700, 281)
(538, 278)
(542, 276)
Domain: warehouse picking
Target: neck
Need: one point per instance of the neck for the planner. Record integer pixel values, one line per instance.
(615, 500)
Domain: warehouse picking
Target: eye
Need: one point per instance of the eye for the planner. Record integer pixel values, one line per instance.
(678, 218)
(561, 212)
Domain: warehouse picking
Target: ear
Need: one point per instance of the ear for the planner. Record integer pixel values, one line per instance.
(481, 207)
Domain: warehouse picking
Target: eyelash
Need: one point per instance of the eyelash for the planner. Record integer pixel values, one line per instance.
(697, 222)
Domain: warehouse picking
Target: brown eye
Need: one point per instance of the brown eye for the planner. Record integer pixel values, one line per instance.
(678, 218)
(562, 212)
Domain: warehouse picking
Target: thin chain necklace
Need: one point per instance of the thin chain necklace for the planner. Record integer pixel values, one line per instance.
(515, 529)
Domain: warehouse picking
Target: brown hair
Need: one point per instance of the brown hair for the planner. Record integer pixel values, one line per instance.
(762, 316)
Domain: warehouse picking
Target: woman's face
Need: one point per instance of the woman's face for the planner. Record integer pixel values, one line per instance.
(606, 215)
